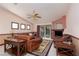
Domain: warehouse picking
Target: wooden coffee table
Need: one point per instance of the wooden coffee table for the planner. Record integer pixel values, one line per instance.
(15, 46)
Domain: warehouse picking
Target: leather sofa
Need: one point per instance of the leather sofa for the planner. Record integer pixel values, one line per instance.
(32, 42)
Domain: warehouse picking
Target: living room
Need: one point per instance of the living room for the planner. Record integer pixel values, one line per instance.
(36, 26)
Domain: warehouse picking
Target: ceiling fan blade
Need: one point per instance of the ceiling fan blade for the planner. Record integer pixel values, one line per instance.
(38, 16)
(34, 15)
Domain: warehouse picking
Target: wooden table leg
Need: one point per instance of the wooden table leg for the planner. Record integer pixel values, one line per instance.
(25, 47)
(18, 49)
(57, 51)
(4, 46)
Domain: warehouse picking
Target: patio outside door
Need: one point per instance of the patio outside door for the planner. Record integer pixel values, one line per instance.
(45, 31)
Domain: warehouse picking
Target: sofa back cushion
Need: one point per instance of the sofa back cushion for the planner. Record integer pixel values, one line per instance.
(24, 37)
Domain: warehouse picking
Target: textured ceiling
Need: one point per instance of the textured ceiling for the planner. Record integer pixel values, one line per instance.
(48, 11)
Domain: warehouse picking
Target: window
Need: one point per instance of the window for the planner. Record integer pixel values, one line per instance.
(14, 25)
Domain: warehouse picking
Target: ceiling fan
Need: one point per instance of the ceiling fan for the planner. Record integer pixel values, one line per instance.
(34, 15)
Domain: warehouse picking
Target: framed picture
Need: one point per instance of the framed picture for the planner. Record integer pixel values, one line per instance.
(14, 25)
(28, 27)
(58, 26)
(22, 26)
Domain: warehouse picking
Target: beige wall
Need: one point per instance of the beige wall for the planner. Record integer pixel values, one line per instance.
(48, 12)
(73, 20)
(6, 18)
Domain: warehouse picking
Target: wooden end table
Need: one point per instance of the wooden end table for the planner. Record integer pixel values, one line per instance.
(12, 43)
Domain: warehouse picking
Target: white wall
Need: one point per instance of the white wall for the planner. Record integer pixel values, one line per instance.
(73, 20)
(6, 18)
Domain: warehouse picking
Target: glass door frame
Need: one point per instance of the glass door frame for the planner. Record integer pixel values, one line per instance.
(44, 26)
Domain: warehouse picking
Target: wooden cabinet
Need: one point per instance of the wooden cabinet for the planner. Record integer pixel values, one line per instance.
(64, 46)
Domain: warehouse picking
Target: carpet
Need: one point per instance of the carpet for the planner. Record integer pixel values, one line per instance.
(43, 49)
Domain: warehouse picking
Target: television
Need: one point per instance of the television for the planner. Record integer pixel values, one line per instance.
(58, 32)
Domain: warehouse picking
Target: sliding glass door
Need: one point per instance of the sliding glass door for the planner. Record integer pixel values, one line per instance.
(45, 31)
(48, 31)
(42, 31)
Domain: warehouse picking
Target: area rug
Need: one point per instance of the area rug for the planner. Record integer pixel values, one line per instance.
(42, 46)
(43, 49)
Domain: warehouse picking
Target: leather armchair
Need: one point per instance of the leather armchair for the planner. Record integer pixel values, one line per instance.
(32, 42)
